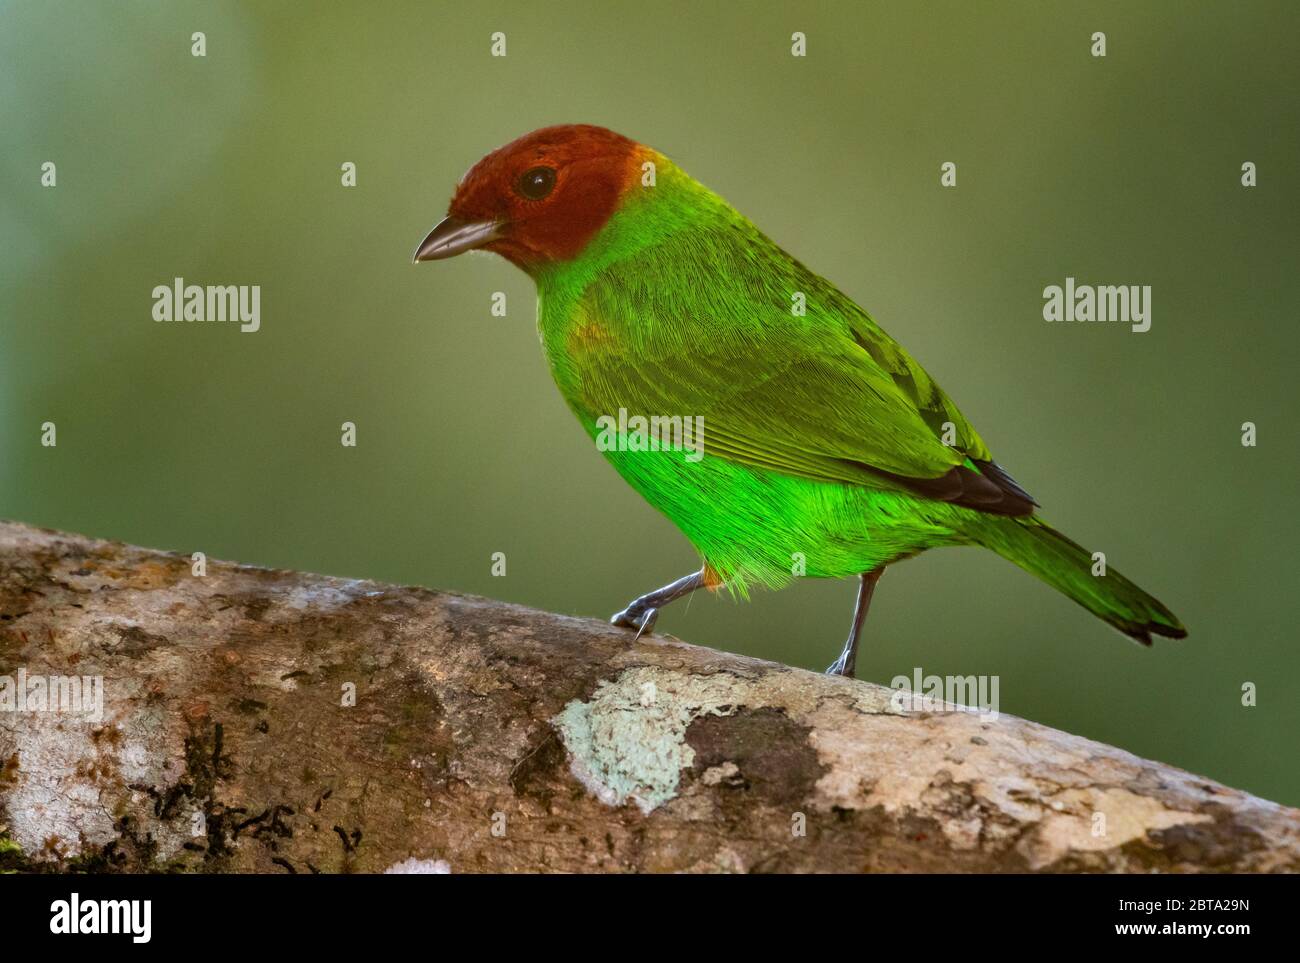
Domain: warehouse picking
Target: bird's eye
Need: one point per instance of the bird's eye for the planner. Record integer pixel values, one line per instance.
(537, 183)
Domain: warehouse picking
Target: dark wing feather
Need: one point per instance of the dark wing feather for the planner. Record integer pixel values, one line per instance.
(990, 489)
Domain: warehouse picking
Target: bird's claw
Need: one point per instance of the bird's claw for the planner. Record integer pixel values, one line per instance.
(838, 668)
(633, 618)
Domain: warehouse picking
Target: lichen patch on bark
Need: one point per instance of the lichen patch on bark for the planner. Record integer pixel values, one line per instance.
(628, 742)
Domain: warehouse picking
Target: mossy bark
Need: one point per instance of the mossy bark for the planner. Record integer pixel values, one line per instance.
(486, 737)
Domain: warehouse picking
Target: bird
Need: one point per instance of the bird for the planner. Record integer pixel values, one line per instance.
(823, 449)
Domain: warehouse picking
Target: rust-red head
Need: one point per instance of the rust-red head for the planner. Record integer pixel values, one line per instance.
(538, 199)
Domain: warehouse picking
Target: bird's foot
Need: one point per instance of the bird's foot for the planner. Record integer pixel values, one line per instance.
(839, 667)
(636, 617)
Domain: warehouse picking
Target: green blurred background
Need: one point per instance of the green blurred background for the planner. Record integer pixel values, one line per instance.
(225, 170)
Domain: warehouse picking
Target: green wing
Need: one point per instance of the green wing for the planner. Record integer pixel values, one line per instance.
(827, 396)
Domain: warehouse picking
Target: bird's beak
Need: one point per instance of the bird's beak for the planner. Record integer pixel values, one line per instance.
(453, 236)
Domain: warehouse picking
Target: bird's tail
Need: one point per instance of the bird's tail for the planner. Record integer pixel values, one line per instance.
(1066, 566)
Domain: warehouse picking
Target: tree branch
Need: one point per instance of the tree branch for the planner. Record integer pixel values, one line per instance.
(490, 737)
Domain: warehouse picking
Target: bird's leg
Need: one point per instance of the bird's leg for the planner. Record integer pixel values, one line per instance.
(641, 614)
(848, 659)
